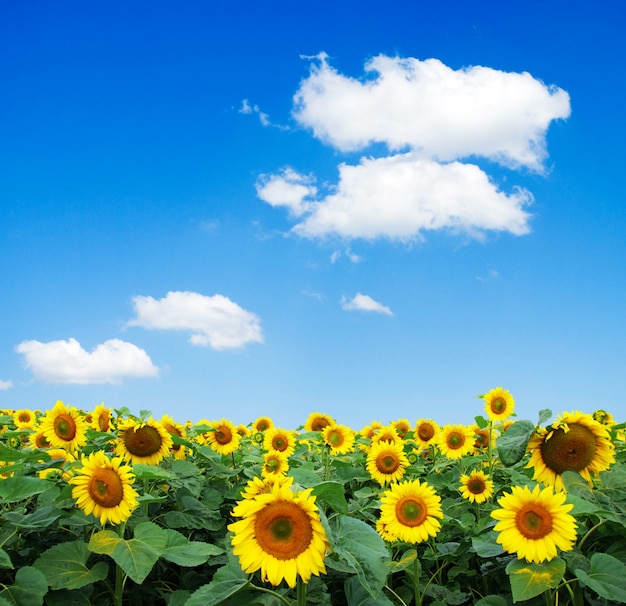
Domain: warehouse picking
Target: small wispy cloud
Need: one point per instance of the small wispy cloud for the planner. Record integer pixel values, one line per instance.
(362, 302)
(65, 361)
(213, 321)
(352, 257)
(491, 275)
(247, 108)
(4, 385)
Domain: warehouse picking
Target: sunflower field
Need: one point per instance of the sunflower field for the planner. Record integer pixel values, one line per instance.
(104, 507)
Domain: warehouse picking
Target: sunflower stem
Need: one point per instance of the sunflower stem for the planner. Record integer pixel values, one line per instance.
(120, 575)
(301, 591)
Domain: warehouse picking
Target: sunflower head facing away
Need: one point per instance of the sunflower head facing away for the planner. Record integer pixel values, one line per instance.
(410, 511)
(281, 535)
(575, 442)
(499, 404)
(103, 487)
(534, 524)
(476, 486)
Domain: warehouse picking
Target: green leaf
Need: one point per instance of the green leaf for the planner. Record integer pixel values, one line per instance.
(67, 597)
(10, 454)
(136, 556)
(491, 600)
(362, 548)
(528, 580)
(607, 577)
(485, 545)
(65, 566)
(18, 488)
(358, 596)
(42, 517)
(151, 472)
(5, 560)
(184, 552)
(227, 581)
(332, 494)
(28, 590)
(513, 442)
(545, 414)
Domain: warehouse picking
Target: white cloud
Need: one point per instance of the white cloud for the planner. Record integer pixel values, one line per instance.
(4, 385)
(68, 362)
(214, 321)
(432, 119)
(400, 196)
(264, 119)
(288, 189)
(365, 303)
(441, 113)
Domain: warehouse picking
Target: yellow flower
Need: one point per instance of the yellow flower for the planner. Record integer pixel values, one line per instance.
(369, 430)
(58, 454)
(499, 404)
(386, 462)
(575, 442)
(143, 442)
(481, 438)
(24, 419)
(534, 524)
(257, 486)
(425, 432)
(281, 440)
(64, 427)
(316, 421)
(222, 437)
(179, 451)
(476, 486)
(274, 464)
(410, 512)
(281, 535)
(101, 418)
(402, 427)
(456, 441)
(340, 439)
(387, 433)
(103, 487)
(262, 424)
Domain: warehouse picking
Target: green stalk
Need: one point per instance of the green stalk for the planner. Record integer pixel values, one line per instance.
(120, 575)
(301, 592)
(416, 582)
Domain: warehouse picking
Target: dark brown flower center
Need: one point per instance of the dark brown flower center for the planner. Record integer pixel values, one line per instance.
(283, 530)
(411, 511)
(387, 462)
(142, 441)
(533, 521)
(569, 450)
(476, 485)
(425, 432)
(106, 487)
(455, 440)
(498, 405)
(65, 427)
(223, 435)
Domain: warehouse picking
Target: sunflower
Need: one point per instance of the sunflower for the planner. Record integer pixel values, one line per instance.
(24, 419)
(425, 432)
(222, 437)
(482, 437)
(604, 417)
(387, 433)
(476, 486)
(281, 440)
(402, 427)
(179, 451)
(38, 439)
(575, 442)
(64, 427)
(275, 463)
(316, 421)
(499, 404)
(456, 441)
(533, 524)
(340, 439)
(143, 441)
(386, 462)
(409, 512)
(101, 419)
(257, 486)
(103, 487)
(281, 535)
(369, 430)
(262, 424)
(58, 454)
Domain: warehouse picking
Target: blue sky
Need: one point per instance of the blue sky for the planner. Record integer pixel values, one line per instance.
(229, 209)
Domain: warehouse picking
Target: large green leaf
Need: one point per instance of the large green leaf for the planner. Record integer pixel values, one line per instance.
(359, 546)
(11, 454)
(65, 566)
(18, 488)
(528, 580)
(513, 442)
(28, 590)
(184, 552)
(491, 600)
(227, 581)
(356, 595)
(5, 559)
(607, 577)
(332, 493)
(136, 556)
(42, 517)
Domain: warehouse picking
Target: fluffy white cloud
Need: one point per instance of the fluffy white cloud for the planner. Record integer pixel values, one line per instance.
(443, 114)
(68, 362)
(432, 119)
(365, 303)
(402, 195)
(4, 385)
(214, 321)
